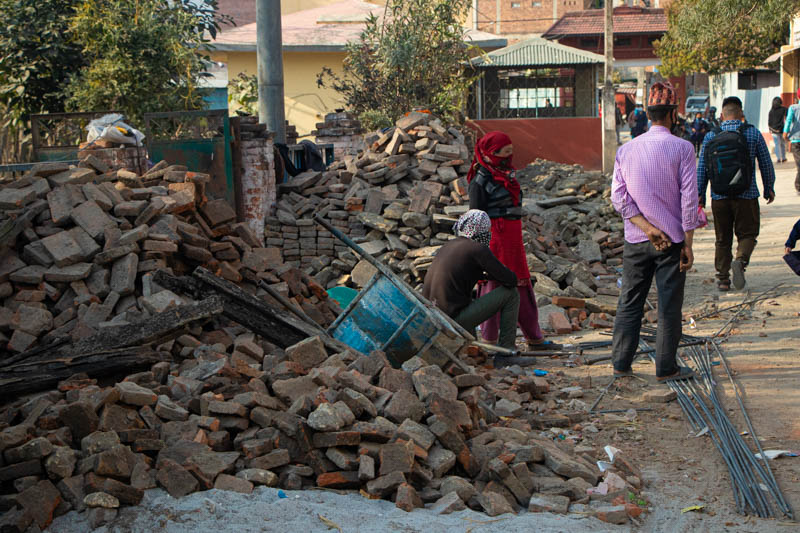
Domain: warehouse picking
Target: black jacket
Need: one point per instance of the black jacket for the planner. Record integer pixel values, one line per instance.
(776, 118)
(488, 195)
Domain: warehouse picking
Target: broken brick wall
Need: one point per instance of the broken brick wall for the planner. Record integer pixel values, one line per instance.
(258, 182)
(132, 158)
(343, 130)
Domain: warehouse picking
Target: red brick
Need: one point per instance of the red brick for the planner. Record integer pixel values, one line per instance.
(339, 480)
(407, 498)
(559, 323)
(566, 301)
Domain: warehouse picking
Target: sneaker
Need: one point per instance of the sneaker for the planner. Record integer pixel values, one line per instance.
(737, 269)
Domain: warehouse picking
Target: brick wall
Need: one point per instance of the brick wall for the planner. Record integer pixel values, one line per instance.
(132, 158)
(524, 16)
(258, 182)
(343, 130)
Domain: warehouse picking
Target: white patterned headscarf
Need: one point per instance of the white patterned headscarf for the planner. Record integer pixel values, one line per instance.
(476, 225)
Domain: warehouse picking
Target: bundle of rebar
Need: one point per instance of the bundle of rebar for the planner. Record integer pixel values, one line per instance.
(754, 486)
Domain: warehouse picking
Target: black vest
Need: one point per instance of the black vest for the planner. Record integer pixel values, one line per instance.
(500, 203)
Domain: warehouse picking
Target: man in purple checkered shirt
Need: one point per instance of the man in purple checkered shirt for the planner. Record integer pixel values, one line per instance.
(655, 191)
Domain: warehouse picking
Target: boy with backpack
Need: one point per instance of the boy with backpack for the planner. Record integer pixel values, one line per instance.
(727, 161)
(793, 258)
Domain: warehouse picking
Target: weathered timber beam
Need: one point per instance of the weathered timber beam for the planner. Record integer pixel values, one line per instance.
(34, 376)
(154, 330)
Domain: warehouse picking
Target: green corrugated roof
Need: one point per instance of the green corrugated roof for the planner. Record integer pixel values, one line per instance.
(537, 52)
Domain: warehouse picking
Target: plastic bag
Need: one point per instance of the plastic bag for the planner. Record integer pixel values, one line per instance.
(111, 128)
(701, 214)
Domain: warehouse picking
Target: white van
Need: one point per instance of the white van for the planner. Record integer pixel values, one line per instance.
(696, 104)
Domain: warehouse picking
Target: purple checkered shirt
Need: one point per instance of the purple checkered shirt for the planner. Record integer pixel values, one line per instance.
(655, 176)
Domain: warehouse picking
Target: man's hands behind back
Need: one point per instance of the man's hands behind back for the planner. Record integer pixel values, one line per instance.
(658, 238)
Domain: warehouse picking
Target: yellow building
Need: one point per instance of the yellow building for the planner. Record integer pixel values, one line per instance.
(789, 56)
(312, 39)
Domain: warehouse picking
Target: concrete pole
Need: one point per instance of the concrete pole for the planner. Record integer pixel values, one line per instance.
(270, 67)
(609, 121)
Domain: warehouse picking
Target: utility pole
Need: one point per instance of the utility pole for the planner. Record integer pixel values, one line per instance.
(270, 67)
(609, 116)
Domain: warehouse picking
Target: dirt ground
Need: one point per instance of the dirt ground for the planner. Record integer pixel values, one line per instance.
(682, 470)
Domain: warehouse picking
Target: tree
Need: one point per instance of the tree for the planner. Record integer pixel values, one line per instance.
(414, 56)
(717, 36)
(142, 55)
(243, 91)
(36, 60)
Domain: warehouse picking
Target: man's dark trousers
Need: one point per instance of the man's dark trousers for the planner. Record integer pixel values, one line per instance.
(796, 156)
(740, 216)
(640, 263)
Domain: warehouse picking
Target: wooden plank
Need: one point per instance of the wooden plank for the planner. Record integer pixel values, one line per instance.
(34, 376)
(154, 330)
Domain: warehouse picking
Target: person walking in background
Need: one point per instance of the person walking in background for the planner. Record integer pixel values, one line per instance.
(776, 122)
(699, 130)
(791, 133)
(617, 121)
(654, 190)
(637, 121)
(727, 161)
(494, 189)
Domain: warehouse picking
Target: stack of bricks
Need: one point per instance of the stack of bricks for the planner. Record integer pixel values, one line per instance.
(398, 199)
(80, 246)
(291, 133)
(128, 157)
(343, 130)
(229, 411)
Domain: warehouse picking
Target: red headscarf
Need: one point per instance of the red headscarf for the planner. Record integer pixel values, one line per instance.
(500, 167)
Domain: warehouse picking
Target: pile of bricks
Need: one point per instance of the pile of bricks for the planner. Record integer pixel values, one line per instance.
(398, 199)
(300, 418)
(80, 245)
(343, 130)
(251, 128)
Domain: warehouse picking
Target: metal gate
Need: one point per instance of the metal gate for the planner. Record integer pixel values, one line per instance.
(200, 140)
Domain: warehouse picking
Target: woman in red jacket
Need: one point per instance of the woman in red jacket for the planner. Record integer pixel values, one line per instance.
(494, 189)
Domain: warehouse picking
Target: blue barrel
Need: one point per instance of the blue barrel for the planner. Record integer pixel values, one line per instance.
(382, 317)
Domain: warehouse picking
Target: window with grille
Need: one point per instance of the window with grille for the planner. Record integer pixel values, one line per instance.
(527, 93)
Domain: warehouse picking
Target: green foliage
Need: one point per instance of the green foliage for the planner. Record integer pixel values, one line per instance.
(375, 119)
(35, 61)
(243, 91)
(143, 55)
(131, 55)
(717, 36)
(413, 57)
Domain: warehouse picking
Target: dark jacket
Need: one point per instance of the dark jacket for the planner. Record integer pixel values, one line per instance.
(457, 267)
(488, 195)
(794, 235)
(776, 119)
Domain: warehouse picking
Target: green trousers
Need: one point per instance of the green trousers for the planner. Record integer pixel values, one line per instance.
(502, 299)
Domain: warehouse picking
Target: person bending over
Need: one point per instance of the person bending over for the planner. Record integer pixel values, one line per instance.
(459, 265)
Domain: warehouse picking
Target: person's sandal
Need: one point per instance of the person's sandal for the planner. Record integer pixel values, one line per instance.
(683, 373)
(544, 345)
(623, 373)
(724, 286)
